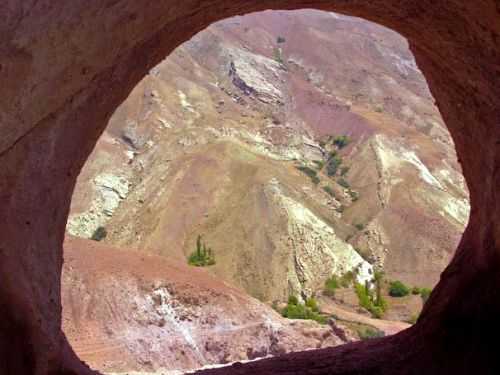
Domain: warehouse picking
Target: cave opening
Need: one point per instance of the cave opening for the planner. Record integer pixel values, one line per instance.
(67, 67)
(295, 155)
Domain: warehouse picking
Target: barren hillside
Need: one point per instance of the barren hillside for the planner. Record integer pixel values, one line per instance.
(298, 145)
(210, 143)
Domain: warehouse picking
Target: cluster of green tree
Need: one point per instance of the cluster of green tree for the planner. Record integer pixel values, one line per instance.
(371, 299)
(331, 285)
(310, 310)
(345, 281)
(399, 289)
(202, 256)
(333, 164)
(313, 175)
(334, 160)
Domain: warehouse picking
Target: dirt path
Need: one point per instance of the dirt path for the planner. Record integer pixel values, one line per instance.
(389, 327)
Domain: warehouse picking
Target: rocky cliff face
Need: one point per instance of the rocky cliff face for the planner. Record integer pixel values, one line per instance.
(219, 139)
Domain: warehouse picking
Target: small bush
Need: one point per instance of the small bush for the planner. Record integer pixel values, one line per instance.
(425, 293)
(367, 333)
(292, 300)
(313, 175)
(312, 304)
(333, 164)
(370, 299)
(280, 40)
(278, 55)
(347, 279)
(341, 141)
(99, 234)
(296, 310)
(363, 296)
(398, 289)
(359, 226)
(202, 256)
(330, 285)
(319, 164)
(354, 195)
(342, 182)
(415, 290)
(329, 191)
(344, 170)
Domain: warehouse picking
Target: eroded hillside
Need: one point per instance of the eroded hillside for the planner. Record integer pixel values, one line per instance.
(237, 136)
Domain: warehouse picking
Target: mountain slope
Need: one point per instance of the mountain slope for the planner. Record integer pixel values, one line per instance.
(219, 138)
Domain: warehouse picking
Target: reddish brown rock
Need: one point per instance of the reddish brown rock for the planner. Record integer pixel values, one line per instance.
(65, 67)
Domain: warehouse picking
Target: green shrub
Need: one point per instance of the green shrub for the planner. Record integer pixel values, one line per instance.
(347, 279)
(415, 290)
(367, 333)
(363, 296)
(372, 300)
(292, 300)
(342, 182)
(202, 256)
(425, 293)
(99, 234)
(341, 141)
(319, 164)
(329, 191)
(398, 289)
(278, 55)
(313, 175)
(332, 165)
(296, 310)
(359, 226)
(354, 195)
(330, 285)
(344, 170)
(312, 304)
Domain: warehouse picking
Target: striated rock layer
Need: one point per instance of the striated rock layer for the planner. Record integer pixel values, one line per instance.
(65, 68)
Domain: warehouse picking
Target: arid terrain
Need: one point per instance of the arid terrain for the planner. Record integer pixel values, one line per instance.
(299, 145)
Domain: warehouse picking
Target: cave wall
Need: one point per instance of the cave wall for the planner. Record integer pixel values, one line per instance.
(65, 66)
